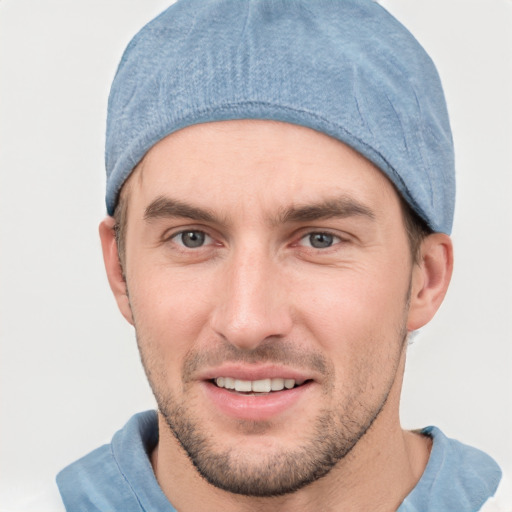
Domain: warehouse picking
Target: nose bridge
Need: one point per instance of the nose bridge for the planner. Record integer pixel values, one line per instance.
(252, 306)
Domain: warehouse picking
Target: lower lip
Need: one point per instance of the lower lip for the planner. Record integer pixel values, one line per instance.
(254, 407)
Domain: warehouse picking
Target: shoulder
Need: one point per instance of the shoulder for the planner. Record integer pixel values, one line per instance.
(118, 475)
(502, 499)
(457, 477)
(93, 475)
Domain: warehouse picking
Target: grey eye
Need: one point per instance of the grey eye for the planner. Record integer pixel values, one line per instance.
(321, 240)
(192, 239)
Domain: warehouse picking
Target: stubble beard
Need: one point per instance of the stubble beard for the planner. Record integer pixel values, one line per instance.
(334, 434)
(277, 474)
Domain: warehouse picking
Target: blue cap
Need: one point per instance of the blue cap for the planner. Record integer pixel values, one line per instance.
(346, 68)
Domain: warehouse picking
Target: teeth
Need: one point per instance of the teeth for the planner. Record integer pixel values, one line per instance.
(229, 383)
(277, 384)
(289, 383)
(256, 386)
(261, 386)
(243, 385)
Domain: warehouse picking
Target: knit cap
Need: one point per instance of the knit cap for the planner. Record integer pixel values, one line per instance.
(346, 68)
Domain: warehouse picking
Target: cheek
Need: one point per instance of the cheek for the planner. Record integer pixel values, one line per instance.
(356, 311)
(170, 311)
(360, 325)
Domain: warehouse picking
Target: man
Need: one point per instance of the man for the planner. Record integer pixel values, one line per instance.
(280, 190)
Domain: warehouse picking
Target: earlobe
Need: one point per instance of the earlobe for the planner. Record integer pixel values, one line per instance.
(430, 279)
(113, 267)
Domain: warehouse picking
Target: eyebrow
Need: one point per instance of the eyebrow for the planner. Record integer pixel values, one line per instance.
(341, 207)
(164, 207)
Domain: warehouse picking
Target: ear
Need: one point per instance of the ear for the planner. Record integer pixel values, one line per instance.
(113, 267)
(430, 279)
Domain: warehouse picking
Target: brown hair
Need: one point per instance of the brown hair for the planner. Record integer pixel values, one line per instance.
(416, 228)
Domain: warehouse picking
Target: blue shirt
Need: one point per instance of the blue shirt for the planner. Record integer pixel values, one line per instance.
(119, 477)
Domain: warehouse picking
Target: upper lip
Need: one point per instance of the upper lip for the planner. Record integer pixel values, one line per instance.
(243, 371)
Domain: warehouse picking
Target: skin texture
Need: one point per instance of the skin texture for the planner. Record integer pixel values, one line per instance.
(258, 249)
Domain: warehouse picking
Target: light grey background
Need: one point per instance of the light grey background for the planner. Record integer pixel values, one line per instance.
(69, 369)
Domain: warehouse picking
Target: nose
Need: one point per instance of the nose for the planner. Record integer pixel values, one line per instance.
(253, 303)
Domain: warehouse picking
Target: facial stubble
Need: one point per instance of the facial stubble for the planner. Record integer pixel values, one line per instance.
(334, 433)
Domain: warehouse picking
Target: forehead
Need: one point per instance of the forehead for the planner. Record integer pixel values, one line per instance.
(258, 164)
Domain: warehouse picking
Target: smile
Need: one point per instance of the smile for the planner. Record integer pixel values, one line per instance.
(255, 400)
(256, 386)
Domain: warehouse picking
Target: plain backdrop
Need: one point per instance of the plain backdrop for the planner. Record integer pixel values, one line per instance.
(69, 369)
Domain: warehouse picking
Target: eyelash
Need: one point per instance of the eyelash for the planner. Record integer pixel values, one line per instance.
(335, 239)
(206, 239)
(199, 232)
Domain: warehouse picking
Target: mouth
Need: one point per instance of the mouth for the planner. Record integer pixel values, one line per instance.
(257, 387)
(256, 392)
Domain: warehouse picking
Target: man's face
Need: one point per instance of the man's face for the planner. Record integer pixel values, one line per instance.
(263, 255)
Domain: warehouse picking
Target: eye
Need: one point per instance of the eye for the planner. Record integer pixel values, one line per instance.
(192, 239)
(320, 240)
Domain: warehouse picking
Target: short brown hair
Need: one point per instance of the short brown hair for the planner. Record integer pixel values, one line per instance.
(416, 228)
(120, 216)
